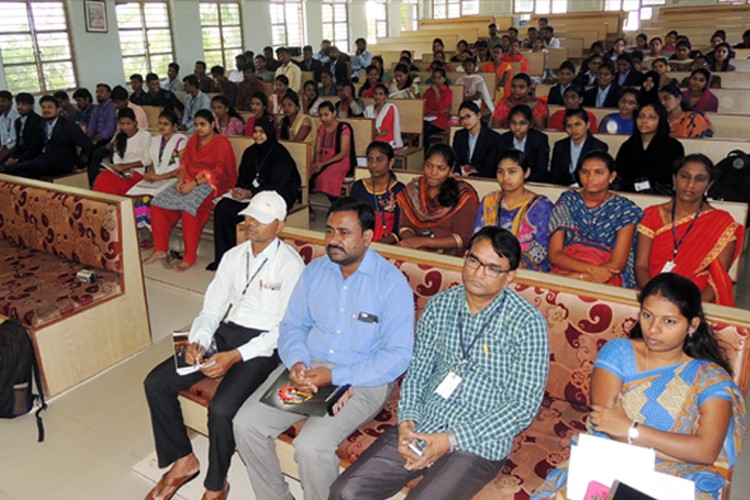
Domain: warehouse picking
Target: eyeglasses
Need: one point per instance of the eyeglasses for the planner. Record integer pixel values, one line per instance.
(628, 101)
(491, 270)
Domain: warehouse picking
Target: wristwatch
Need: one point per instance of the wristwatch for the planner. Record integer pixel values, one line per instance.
(633, 432)
(453, 441)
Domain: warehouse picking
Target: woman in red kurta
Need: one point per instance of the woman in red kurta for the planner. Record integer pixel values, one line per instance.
(437, 105)
(208, 169)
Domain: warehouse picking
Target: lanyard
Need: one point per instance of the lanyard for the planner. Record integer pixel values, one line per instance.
(376, 202)
(249, 279)
(465, 351)
(259, 165)
(678, 244)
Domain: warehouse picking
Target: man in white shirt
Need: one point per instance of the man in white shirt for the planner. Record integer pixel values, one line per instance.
(322, 54)
(8, 115)
(254, 282)
(289, 69)
(173, 83)
(361, 60)
(237, 74)
(548, 36)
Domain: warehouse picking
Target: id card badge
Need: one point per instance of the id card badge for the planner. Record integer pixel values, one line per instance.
(668, 266)
(256, 184)
(448, 385)
(642, 186)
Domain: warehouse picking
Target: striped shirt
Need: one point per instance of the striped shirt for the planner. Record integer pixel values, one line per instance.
(503, 374)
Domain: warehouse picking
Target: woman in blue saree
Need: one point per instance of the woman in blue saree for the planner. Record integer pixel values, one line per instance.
(669, 388)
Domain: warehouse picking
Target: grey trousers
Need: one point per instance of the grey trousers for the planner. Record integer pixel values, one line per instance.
(257, 425)
(379, 473)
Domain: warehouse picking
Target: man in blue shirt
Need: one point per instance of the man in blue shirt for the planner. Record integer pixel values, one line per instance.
(195, 100)
(350, 320)
(476, 381)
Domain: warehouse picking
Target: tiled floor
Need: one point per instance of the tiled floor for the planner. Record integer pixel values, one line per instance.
(98, 431)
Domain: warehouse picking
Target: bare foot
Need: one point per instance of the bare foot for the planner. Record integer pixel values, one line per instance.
(156, 256)
(183, 266)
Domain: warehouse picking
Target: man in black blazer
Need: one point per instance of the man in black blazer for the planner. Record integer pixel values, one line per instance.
(339, 64)
(27, 125)
(578, 143)
(309, 64)
(482, 162)
(60, 139)
(606, 92)
(536, 150)
(626, 75)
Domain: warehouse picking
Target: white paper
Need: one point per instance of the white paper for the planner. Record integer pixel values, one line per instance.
(146, 188)
(669, 487)
(228, 195)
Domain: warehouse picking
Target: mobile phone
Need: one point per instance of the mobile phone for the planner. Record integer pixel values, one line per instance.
(417, 446)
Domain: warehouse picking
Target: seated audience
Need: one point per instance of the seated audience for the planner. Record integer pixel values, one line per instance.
(311, 100)
(722, 58)
(656, 45)
(319, 351)
(689, 237)
(309, 63)
(164, 154)
(649, 88)
(568, 154)
(566, 74)
(637, 58)
(295, 126)
(524, 137)
(604, 94)
(503, 73)
(476, 146)
(247, 87)
(645, 160)
(641, 42)
(130, 156)
(236, 75)
(437, 105)
(572, 99)
(550, 41)
(681, 60)
(661, 67)
(103, 119)
(385, 77)
(83, 100)
(334, 155)
(172, 82)
(461, 47)
(226, 119)
(591, 229)
(262, 72)
(66, 108)
(205, 83)
(362, 58)
(588, 77)
(223, 85)
(670, 41)
(157, 96)
(618, 48)
(519, 94)
(138, 96)
(668, 387)
(514, 55)
(8, 116)
(380, 191)
(683, 120)
(349, 106)
(403, 86)
(519, 210)
(258, 109)
(339, 64)
(437, 210)
(745, 44)
(195, 101)
(54, 149)
(207, 169)
(327, 85)
(438, 61)
(288, 69)
(627, 75)
(387, 118)
(622, 121)
(265, 166)
(371, 81)
(245, 350)
(475, 88)
(121, 101)
(465, 436)
(698, 94)
(280, 88)
(322, 54)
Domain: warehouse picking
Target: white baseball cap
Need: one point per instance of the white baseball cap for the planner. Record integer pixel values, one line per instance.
(266, 207)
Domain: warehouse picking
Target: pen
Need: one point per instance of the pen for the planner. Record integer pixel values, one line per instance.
(486, 351)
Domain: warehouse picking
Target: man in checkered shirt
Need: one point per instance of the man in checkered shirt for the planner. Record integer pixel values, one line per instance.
(475, 382)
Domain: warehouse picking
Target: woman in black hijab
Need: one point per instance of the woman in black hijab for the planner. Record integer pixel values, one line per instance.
(266, 166)
(649, 88)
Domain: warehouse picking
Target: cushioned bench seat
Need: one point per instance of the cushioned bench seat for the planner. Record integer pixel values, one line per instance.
(39, 288)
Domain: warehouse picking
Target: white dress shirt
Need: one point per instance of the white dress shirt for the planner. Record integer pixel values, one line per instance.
(8, 129)
(271, 276)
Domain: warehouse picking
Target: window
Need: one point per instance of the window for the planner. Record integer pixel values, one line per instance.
(443, 9)
(377, 20)
(287, 26)
(222, 32)
(35, 46)
(335, 23)
(409, 15)
(145, 36)
(638, 10)
(540, 6)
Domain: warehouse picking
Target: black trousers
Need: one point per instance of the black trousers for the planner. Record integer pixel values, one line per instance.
(41, 166)
(163, 385)
(95, 165)
(226, 219)
(379, 473)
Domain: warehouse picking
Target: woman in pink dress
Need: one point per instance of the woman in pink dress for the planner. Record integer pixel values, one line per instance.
(334, 153)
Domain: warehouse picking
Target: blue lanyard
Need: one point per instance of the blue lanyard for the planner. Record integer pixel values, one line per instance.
(465, 351)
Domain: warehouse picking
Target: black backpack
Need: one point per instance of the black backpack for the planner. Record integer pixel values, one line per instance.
(17, 364)
(732, 178)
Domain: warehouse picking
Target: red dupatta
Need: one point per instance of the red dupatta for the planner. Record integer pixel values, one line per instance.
(424, 211)
(215, 162)
(697, 258)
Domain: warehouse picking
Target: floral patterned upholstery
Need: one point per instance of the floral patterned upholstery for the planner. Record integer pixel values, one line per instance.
(82, 230)
(37, 287)
(578, 327)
